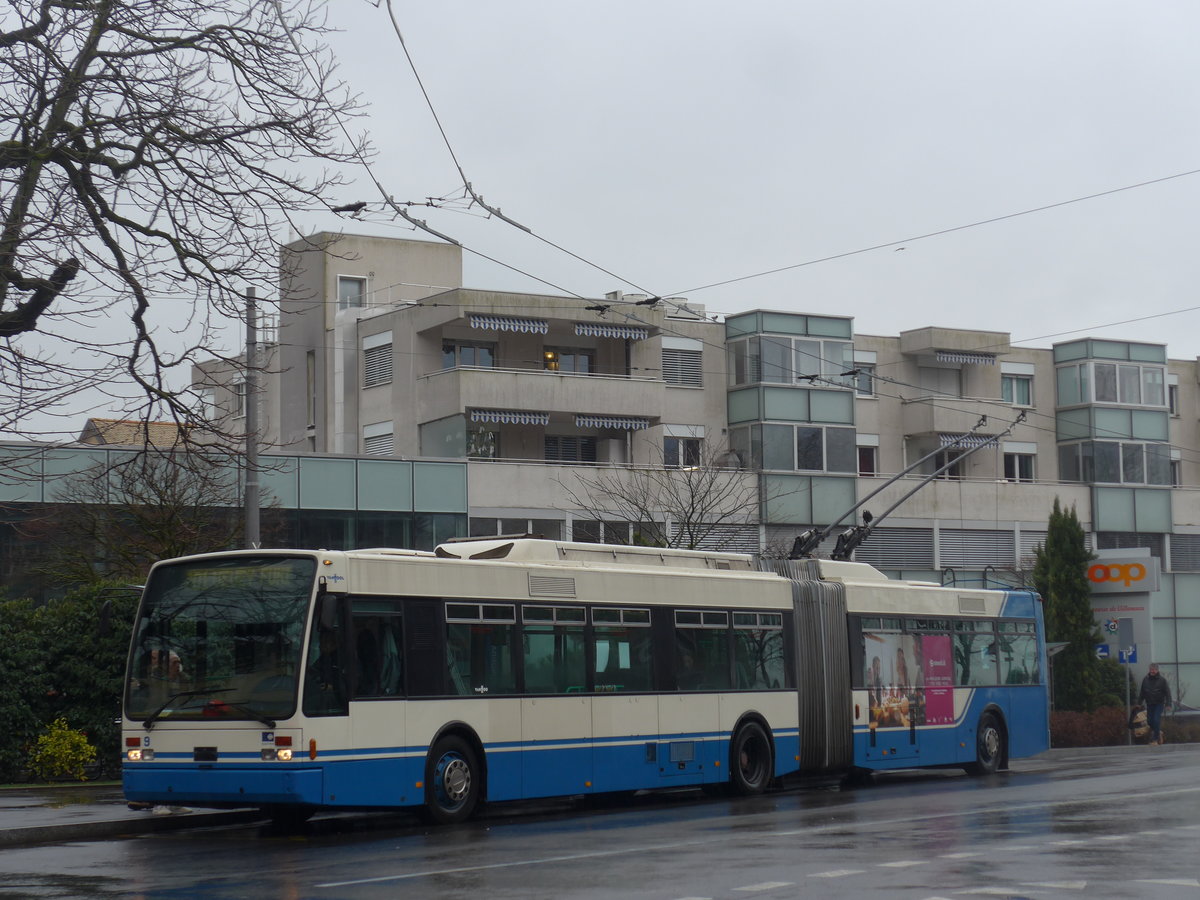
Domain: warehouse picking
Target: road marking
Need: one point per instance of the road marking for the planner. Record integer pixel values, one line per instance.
(1181, 882)
(1058, 885)
(765, 886)
(837, 873)
(1068, 843)
(904, 863)
(994, 891)
(723, 841)
(963, 854)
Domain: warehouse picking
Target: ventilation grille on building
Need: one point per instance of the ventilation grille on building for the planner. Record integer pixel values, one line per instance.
(379, 445)
(682, 367)
(726, 538)
(377, 365)
(551, 586)
(974, 548)
(898, 548)
(1185, 552)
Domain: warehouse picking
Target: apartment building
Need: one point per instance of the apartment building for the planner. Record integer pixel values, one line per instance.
(382, 352)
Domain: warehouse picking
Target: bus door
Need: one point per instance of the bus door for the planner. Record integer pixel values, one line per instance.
(690, 717)
(556, 721)
(376, 676)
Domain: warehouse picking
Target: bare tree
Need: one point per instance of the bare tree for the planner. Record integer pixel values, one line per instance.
(688, 506)
(148, 151)
(113, 520)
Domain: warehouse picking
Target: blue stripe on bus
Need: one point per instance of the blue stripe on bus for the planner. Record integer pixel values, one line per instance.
(390, 776)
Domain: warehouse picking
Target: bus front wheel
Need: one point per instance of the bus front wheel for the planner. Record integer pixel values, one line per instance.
(452, 780)
(989, 746)
(751, 763)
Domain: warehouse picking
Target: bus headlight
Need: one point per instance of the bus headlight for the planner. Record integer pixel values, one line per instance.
(140, 755)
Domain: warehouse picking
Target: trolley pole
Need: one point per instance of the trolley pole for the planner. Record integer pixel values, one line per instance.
(251, 496)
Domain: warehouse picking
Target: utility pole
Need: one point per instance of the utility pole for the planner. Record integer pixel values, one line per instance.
(251, 381)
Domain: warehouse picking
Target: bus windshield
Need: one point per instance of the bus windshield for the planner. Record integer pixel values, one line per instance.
(220, 638)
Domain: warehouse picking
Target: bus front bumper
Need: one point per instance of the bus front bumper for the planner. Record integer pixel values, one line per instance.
(223, 786)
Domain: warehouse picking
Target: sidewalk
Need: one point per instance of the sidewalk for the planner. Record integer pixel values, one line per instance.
(47, 813)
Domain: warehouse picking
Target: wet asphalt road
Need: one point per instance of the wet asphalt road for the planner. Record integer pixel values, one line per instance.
(1105, 823)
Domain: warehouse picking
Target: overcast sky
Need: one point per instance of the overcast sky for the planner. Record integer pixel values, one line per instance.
(681, 144)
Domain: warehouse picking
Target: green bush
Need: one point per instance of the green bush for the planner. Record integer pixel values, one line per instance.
(63, 659)
(61, 752)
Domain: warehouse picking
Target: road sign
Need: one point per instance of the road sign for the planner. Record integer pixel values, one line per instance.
(1102, 651)
(1128, 656)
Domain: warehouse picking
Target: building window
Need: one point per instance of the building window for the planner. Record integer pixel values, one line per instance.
(1018, 466)
(351, 291)
(1176, 473)
(459, 354)
(1017, 389)
(682, 367)
(952, 460)
(782, 360)
(560, 448)
(864, 380)
(590, 531)
(310, 376)
(377, 359)
(868, 460)
(239, 398)
(1129, 384)
(1173, 399)
(681, 452)
(483, 444)
(569, 361)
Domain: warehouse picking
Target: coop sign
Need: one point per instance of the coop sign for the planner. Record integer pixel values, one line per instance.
(1113, 575)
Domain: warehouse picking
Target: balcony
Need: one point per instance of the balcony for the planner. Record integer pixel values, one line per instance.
(939, 414)
(454, 391)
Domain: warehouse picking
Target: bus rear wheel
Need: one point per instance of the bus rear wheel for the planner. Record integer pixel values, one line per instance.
(989, 746)
(751, 762)
(452, 780)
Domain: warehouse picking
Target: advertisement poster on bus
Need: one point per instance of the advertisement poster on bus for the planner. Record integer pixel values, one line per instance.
(909, 679)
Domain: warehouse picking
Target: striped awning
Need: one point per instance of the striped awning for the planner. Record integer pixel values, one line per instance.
(604, 329)
(965, 440)
(629, 423)
(509, 323)
(963, 358)
(510, 417)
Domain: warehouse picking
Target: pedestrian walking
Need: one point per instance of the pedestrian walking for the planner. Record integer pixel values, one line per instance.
(1156, 694)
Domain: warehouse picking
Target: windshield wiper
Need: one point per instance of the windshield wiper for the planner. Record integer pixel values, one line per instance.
(148, 723)
(242, 708)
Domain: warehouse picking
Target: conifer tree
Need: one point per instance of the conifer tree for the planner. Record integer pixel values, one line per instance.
(1060, 576)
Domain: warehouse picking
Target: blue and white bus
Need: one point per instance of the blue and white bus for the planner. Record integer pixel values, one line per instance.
(501, 670)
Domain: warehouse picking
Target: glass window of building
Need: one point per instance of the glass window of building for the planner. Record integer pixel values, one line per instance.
(458, 354)
(1018, 467)
(681, 452)
(1017, 389)
(351, 289)
(864, 380)
(569, 361)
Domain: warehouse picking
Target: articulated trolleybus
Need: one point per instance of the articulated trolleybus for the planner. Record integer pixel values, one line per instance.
(506, 669)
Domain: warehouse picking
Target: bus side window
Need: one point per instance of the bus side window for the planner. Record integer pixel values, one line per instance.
(378, 639)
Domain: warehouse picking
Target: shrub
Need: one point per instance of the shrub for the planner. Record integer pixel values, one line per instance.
(61, 752)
